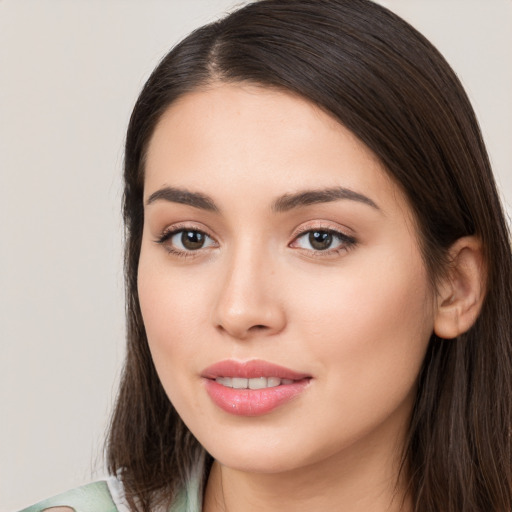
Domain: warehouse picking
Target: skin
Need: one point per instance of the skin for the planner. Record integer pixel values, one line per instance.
(357, 317)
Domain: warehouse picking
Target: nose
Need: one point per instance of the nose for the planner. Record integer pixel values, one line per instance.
(248, 302)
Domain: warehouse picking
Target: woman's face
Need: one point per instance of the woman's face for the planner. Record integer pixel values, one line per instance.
(278, 256)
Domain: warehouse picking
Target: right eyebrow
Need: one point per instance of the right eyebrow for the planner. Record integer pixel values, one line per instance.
(183, 196)
(308, 197)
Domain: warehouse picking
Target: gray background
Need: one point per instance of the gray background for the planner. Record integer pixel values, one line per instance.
(69, 75)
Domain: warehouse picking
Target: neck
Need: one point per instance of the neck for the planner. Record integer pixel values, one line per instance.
(360, 479)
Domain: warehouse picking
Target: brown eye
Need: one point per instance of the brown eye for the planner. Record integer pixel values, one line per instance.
(327, 240)
(184, 241)
(192, 240)
(320, 240)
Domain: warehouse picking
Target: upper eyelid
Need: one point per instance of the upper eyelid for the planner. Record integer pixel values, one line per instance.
(323, 226)
(302, 231)
(176, 228)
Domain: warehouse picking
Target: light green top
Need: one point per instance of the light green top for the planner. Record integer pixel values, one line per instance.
(96, 497)
(108, 495)
(93, 497)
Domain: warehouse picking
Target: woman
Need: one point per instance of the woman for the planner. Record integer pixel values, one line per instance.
(318, 273)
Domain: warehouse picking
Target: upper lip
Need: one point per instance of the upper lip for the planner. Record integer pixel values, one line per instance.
(250, 370)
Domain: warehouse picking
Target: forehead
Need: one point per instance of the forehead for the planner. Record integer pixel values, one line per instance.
(253, 139)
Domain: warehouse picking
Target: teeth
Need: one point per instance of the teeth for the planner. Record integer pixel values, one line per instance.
(259, 383)
(238, 383)
(272, 382)
(256, 383)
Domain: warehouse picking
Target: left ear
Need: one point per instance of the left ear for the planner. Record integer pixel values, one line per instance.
(461, 292)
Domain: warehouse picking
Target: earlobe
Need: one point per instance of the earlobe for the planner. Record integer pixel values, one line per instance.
(461, 292)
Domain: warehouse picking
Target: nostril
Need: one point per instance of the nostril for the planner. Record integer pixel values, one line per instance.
(258, 327)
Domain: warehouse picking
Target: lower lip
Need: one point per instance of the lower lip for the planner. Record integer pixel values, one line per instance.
(253, 402)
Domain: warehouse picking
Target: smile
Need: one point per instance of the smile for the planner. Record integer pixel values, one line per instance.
(255, 383)
(252, 388)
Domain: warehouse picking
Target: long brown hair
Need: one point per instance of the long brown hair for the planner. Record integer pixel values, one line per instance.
(387, 84)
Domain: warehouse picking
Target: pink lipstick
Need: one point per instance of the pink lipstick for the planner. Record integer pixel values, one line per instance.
(252, 388)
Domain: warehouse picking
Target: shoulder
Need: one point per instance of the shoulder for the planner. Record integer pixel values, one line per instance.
(94, 497)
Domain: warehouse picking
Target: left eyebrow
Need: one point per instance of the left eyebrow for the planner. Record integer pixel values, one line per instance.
(182, 196)
(307, 197)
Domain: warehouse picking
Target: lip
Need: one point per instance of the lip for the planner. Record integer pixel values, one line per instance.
(250, 370)
(252, 402)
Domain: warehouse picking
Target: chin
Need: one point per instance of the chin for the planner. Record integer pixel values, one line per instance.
(262, 463)
(263, 455)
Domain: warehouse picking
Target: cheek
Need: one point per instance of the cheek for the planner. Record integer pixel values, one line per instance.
(174, 315)
(372, 324)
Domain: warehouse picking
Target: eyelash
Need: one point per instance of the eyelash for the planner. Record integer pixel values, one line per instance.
(169, 233)
(346, 242)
